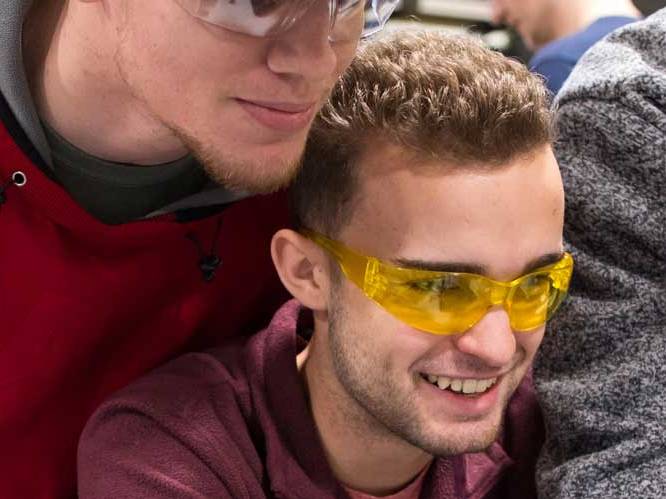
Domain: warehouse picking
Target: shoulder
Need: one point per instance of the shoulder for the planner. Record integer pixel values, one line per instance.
(174, 422)
(556, 60)
(560, 51)
(176, 386)
(568, 50)
(619, 84)
(185, 391)
(631, 59)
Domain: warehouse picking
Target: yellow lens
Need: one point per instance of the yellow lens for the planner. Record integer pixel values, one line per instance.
(447, 303)
(436, 302)
(528, 303)
(537, 296)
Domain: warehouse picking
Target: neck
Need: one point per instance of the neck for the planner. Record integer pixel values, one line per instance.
(363, 455)
(574, 16)
(71, 52)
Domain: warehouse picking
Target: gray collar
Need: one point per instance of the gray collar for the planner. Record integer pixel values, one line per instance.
(13, 80)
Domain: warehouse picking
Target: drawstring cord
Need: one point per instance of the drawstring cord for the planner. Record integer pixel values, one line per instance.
(208, 262)
(18, 179)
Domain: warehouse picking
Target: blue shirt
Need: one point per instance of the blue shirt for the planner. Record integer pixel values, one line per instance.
(556, 60)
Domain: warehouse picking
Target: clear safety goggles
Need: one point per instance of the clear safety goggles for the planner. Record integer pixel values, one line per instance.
(349, 19)
(446, 303)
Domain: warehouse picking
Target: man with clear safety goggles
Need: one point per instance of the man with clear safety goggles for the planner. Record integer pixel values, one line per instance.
(145, 145)
(426, 263)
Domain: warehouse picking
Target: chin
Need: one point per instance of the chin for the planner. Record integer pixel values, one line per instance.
(264, 170)
(467, 438)
(255, 178)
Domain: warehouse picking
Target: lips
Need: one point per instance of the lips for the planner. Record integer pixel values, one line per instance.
(461, 397)
(279, 116)
(285, 107)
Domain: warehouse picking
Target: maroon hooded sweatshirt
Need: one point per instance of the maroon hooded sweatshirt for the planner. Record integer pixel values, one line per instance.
(235, 423)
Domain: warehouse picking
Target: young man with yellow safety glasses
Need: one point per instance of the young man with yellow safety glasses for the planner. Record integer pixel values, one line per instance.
(427, 261)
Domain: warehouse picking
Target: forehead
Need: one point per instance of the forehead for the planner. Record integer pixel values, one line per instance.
(496, 216)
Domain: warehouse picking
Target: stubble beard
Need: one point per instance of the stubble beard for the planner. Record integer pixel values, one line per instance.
(379, 412)
(262, 176)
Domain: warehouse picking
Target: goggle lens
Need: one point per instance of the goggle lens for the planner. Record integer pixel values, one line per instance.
(449, 302)
(349, 19)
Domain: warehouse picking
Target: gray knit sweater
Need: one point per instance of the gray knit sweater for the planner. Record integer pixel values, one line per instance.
(601, 372)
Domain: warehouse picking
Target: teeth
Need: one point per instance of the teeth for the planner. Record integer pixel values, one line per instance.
(469, 386)
(443, 382)
(466, 386)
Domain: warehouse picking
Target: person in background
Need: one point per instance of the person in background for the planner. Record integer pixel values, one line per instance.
(427, 261)
(135, 140)
(601, 374)
(560, 31)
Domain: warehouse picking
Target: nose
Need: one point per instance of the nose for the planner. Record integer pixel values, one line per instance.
(304, 51)
(491, 340)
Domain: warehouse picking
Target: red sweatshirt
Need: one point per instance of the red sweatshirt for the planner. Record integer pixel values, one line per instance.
(86, 307)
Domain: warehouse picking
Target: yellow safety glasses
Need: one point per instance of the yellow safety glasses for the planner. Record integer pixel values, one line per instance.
(447, 303)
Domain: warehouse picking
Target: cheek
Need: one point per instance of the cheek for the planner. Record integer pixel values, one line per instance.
(154, 65)
(530, 342)
(173, 53)
(385, 338)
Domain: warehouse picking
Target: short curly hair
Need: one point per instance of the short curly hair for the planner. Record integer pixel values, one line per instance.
(439, 96)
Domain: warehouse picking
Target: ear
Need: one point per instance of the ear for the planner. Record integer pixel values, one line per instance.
(302, 267)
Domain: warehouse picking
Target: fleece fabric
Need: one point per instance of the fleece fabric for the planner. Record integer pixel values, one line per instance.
(601, 372)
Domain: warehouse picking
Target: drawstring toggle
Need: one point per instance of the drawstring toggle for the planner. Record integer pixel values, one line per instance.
(18, 179)
(208, 265)
(209, 261)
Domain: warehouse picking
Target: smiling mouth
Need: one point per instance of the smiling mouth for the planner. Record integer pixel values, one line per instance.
(469, 386)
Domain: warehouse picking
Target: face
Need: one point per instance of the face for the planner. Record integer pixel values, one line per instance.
(243, 105)
(532, 19)
(498, 222)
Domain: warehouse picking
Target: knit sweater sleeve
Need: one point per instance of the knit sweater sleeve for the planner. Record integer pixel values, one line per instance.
(601, 371)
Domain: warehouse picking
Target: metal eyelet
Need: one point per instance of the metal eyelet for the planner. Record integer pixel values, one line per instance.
(19, 178)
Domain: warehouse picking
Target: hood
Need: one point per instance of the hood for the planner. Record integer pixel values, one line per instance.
(13, 80)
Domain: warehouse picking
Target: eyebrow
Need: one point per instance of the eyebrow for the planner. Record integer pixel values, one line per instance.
(473, 268)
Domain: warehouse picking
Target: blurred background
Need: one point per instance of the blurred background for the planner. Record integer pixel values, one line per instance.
(474, 15)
